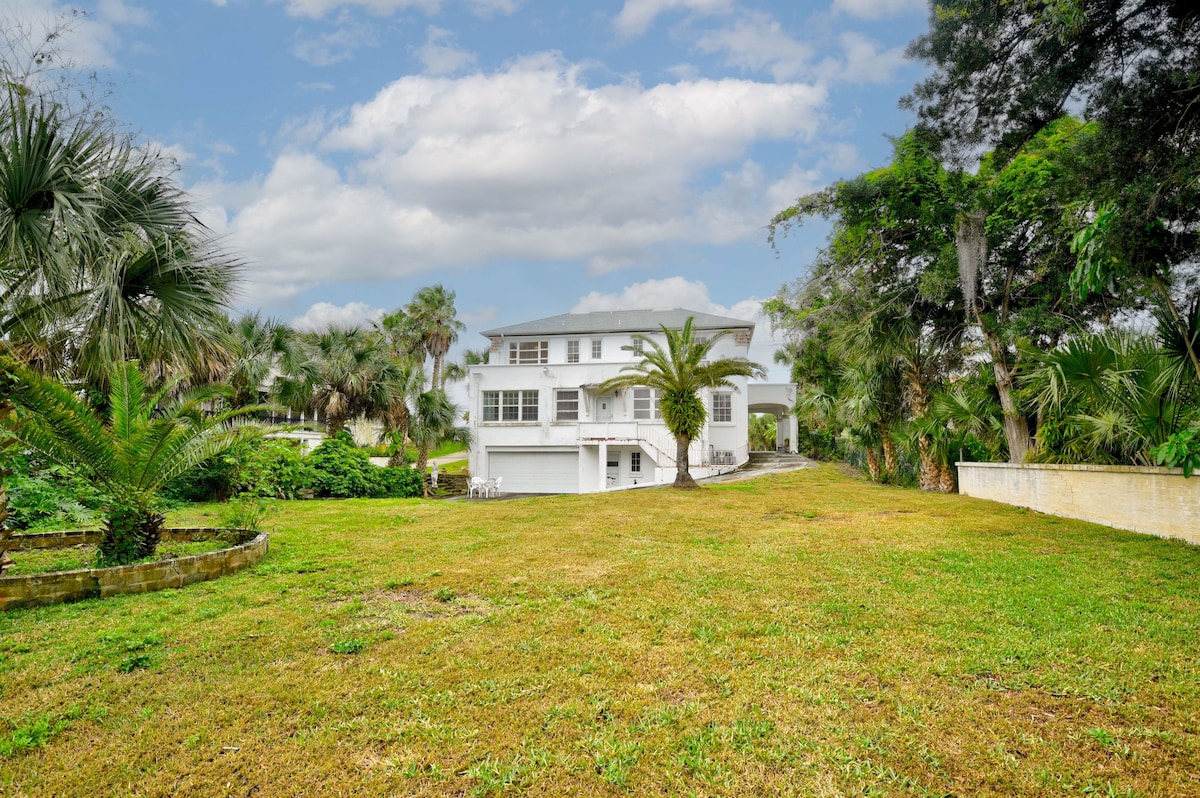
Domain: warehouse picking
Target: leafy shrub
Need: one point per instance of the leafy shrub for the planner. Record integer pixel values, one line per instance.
(1181, 450)
(401, 483)
(247, 513)
(48, 496)
(268, 467)
(342, 470)
(274, 468)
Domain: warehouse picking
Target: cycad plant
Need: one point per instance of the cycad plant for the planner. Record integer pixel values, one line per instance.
(678, 372)
(145, 439)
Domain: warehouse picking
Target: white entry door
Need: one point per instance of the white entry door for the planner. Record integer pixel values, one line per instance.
(613, 471)
(604, 407)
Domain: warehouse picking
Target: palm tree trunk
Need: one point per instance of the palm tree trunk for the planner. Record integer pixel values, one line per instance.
(683, 477)
(873, 464)
(422, 461)
(930, 476)
(334, 423)
(889, 456)
(947, 479)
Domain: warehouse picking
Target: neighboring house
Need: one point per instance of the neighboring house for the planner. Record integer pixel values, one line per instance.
(539, 420)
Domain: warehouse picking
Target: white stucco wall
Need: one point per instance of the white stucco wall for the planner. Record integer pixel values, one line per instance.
(1156, 501)
(546, 432)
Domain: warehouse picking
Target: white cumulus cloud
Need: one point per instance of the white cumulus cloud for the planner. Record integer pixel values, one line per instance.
(529, 163)
(323, 315)
(879, 9)
(636, 16)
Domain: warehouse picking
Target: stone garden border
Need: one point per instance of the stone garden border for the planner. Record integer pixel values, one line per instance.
(39, 590)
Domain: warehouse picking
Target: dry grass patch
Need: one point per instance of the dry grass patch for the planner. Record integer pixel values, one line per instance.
(801, 634)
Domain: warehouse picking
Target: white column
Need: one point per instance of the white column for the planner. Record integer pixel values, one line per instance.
(603, 447)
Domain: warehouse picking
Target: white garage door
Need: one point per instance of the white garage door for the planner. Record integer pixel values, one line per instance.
(536, 472)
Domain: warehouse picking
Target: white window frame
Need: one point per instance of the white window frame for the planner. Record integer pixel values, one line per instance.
(491, 406)
(563, 396)
(597, 348)
(635, 462)
(573, 350)
(638, 346)
(646, 405)
(528, 353)
(510, 407)
(722, 408)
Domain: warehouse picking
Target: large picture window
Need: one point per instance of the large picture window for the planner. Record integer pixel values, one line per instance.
(645, 404)
(528, 352)
(566, 405)
(722, 408)
(510, 405)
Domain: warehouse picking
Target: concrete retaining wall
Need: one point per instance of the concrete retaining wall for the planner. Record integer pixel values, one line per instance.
(1156, 501)
(42, 589)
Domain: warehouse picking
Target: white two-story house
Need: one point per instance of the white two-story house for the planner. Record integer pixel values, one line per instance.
(539, 419)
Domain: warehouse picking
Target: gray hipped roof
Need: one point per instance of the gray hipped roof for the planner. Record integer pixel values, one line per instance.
(608, 321)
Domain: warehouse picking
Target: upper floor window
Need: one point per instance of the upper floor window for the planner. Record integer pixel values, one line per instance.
(566, 405)
(645, 404)
(638, 346)
(510, 405)
(528, 352)
(596, 349)
(573, 351)
(722, 408)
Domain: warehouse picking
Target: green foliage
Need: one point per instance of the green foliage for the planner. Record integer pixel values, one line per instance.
(248, 513)
(145, 440)
(762, 432)
(350, 645)
(342, 470)
(44, 495)
(1180, 450)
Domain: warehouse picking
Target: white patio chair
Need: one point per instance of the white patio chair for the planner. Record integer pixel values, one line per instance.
(494, 486)
(476, 487)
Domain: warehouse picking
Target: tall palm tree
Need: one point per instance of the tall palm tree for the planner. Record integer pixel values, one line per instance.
(678, 372)
(100, 258)
(258, 348)
(146, 440)
(434, 320)
(99, 251)
(343, 374)
(433, 422)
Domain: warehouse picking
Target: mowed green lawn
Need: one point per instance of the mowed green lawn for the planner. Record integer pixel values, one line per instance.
(801, 634)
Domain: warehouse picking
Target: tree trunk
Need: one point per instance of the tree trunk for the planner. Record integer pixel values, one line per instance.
(873, 464)
(930, 471)
(947, 484)
(889, 457)
(683, 477)
(1016, 426)
(422, 461)
(334, 423)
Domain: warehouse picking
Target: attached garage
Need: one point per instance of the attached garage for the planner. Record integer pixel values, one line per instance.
(535, 472)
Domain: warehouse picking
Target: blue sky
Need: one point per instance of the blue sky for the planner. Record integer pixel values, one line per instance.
(535, 157)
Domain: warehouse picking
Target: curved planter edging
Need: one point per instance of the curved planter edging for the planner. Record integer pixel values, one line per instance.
(39, 590)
